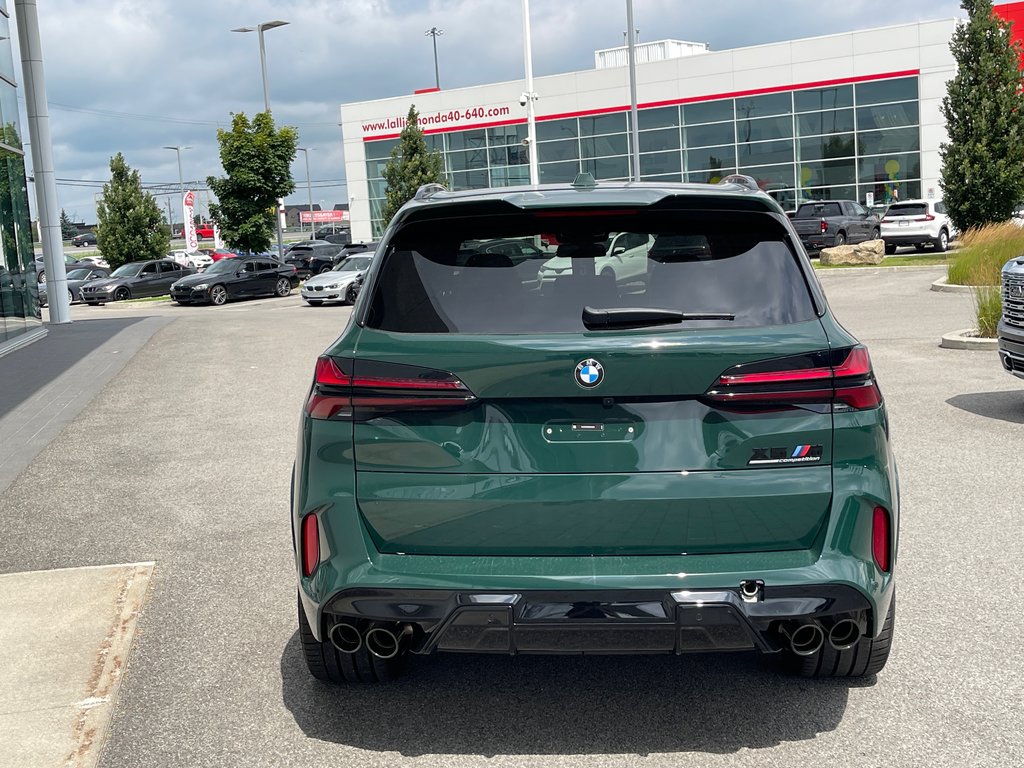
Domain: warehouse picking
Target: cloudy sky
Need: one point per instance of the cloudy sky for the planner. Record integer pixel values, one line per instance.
(135, 75)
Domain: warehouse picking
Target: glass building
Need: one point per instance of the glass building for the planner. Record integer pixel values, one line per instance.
(836, 142)
(19, 304)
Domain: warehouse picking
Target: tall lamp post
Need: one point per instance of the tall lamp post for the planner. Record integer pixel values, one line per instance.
(529, 97)
(309, 189)
(435, 33)
(261, 28)
(181, 185)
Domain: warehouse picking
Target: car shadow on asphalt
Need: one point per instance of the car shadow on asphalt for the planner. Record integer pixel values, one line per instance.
(1007, 405)
(564, 705)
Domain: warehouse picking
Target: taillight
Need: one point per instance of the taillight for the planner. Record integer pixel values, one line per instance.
(824, 226)
(881, 538)
(886, 220)
(929, 217)
(842, 377)
(310, 544)
(349, 389)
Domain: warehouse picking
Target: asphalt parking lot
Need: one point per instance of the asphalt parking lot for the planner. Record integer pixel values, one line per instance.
(183, 459)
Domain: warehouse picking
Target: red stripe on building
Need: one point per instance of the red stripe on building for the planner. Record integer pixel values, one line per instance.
(676, 102)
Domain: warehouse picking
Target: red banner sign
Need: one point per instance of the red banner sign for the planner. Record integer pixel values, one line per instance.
(322, 216)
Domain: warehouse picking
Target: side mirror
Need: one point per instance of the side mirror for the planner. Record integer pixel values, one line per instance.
(618, 250)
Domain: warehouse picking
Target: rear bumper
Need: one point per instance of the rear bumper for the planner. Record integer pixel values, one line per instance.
(814, 243)
(600, 622)
(902, 237)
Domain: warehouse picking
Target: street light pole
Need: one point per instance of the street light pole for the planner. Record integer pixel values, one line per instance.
(309, 187)
(529, 97)
(434, 32)
(260, 29)
(634, 134)
(181, 185)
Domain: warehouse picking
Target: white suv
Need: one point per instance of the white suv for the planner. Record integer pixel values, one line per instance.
(918, 223)
(625, 259)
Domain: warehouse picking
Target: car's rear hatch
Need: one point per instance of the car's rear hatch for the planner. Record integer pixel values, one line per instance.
(491, 420)
(907, 220)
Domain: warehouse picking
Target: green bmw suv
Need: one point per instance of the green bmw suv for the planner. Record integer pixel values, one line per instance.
(689, 456)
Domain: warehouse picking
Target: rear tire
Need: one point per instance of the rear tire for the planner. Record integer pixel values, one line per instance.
(865, 659)
(942, 242)
(890, 249)
(283, 287)
(327, 663)
(840, 239)
(875, 234)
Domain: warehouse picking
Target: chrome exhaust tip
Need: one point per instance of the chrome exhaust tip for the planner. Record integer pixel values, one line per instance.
(345, 638)
(844, 635)
(804, 639)
(385, 642)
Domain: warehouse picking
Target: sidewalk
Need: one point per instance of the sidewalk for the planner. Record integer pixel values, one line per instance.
(45, 385)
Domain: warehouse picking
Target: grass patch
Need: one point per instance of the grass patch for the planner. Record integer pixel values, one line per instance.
(983, 253)
(891, 261)
(144, 299)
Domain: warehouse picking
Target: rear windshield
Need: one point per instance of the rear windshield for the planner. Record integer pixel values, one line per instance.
(907, 209)
(535, 274)
(818, 210)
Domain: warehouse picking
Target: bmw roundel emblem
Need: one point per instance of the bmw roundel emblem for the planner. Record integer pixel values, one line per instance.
(589, 373)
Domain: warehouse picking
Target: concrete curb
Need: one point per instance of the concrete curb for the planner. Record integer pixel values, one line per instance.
(942, 285)
(965, 340)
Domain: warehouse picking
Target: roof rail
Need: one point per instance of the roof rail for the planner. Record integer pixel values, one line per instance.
(429, 190)
(741, 180)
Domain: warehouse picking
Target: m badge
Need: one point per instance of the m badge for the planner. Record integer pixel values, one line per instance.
(802, 454)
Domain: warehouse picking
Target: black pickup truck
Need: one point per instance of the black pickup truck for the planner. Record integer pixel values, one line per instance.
(834, 222)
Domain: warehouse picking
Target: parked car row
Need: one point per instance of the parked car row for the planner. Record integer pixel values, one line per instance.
(918, 223)
(311, 257)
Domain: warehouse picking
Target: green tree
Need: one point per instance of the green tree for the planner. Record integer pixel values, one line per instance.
(130, 225)
(411, 166)
(67, 229)
(983, 161)
(257, 160)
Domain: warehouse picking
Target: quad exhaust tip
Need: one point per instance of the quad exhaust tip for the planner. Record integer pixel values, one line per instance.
(804, 639)
(386, 642)
(844, 634)
(345, 638)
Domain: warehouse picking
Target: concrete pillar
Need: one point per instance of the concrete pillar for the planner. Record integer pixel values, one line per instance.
(47, 206)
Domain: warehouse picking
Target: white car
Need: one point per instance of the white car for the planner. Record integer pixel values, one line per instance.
(97, 261)
(336, 283)
(197, 260)
(625, 258)
(918, 223)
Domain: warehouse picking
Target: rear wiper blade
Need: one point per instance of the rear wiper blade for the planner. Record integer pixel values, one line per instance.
(640, 317)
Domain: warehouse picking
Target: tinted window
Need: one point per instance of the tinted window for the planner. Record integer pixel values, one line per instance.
(907, 209)
(79, 274)
(250, 266)
(435, 278)
(149, 269)
(818, 210)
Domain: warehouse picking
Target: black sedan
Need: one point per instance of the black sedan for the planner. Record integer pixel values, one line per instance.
(235, 279)
(135, 280)
(86, 238)
(77, 278)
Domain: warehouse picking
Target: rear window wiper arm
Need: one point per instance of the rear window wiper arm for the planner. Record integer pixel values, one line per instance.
(640, 317)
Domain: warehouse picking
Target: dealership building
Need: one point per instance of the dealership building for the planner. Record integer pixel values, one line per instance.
(846, 116)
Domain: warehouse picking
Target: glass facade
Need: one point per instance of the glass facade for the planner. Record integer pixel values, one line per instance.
(19, 305)
(841, 141)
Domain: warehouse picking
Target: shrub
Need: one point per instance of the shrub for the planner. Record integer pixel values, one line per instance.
(988, 307)
(983, 253)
